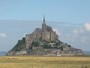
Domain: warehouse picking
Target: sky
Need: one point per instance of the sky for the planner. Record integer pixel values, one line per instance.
(69, 18)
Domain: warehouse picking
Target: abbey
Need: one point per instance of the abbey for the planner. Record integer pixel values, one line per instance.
(43, 42)
(45, 33)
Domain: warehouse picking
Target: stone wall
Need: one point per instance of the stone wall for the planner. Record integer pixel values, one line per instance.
(28, 41)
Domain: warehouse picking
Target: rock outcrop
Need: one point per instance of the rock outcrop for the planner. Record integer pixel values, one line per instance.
(43, 42)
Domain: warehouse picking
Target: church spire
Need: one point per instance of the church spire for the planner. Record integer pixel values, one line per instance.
(44, 20)
(44, 24)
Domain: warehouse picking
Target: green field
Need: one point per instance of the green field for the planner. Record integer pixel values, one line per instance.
(44, 62)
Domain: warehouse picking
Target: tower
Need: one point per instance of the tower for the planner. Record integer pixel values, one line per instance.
(44, 24)
(44, 29)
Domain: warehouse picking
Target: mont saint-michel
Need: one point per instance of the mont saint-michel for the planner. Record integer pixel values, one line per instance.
(43, 42)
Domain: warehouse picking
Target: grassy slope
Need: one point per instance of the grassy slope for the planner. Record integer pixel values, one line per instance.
(43, 62)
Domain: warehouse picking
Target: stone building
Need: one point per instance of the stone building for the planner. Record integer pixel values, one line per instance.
(45, 33)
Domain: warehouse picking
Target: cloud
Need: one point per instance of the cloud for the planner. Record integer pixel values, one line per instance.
(57, 31)
(83, 29)
(82, 34)
(83, 39)
(87, 26)
(2, 35)
(79, 35)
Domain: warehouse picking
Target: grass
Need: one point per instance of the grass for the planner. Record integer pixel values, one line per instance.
(44, 62)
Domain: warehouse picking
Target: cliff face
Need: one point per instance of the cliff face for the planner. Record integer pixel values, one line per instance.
(43, 41)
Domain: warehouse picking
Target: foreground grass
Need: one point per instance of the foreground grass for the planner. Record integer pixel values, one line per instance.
(44, 62)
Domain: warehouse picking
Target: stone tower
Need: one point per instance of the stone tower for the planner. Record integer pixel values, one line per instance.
(47, 33)
(44, 24)
(44, 30)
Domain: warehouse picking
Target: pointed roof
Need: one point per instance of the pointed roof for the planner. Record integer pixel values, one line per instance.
(44, 20)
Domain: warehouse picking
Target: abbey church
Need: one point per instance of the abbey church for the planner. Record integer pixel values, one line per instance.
(45, 33)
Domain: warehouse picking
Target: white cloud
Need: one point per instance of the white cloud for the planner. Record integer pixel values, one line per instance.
(87, 26)
(57, 31)
(75, 33)
(2, 35)
(83, 39)
(81, 34)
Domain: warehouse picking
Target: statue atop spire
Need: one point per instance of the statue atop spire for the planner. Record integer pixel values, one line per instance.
(44, 20)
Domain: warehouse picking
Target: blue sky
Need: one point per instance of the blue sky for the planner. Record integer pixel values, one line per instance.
(70, 18)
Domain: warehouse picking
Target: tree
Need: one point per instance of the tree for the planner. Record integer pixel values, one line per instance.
(20, 45)
(35, 43)
(69, 45)
(61, 48)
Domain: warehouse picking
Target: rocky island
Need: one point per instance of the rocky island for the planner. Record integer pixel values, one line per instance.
(43, 42)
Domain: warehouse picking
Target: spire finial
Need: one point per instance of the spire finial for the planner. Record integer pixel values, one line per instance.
(44, 19)
(44, 23)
